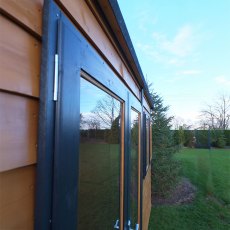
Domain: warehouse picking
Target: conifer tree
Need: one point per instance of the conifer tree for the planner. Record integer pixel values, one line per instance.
(165, 169)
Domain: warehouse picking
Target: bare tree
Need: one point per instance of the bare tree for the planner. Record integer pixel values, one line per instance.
(217, 115)
(178, 122)
(93, 123)
(82, 121)
(106, 111)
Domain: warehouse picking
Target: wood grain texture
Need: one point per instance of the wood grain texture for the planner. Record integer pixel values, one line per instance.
(131, 83)
(19, 59)
(80, 11)
(146, 105)
(17, 198)
(146, 210)
(118, 33)
(84, 17)
(28, 12)
(151, 142)
(18, 131)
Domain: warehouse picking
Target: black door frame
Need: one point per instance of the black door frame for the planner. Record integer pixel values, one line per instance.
(51, 210)
(135, 105)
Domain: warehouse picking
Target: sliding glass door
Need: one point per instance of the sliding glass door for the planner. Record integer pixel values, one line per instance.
(135, 170)
(99, 158)
(96, 176)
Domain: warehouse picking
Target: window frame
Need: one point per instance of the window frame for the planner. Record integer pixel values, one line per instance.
(91, 62)
(146, 136)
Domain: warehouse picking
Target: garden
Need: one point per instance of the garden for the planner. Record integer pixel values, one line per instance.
(208, 171)
(190, 174)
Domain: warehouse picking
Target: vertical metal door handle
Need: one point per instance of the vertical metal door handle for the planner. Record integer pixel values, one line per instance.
(116, 226)
(129, 225)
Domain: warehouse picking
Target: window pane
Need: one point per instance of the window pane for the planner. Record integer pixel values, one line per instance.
(99, 177)
(134, 166)
(147, 142)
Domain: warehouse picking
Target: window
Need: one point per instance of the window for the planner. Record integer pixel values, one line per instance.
(134, 167)
(147, 143)
(99, 176)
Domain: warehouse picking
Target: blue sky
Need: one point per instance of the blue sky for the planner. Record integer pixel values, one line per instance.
(183, 48)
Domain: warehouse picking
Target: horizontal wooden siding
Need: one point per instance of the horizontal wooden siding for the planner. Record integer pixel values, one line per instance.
(20, 48)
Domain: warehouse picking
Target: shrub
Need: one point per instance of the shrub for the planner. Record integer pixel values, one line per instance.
(189, 138)
(221, 142)
(227, 137)
(218, 138)
(202, 138)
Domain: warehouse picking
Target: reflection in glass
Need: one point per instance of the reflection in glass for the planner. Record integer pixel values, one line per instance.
(99, 176)
(147, 142)
(134, 167)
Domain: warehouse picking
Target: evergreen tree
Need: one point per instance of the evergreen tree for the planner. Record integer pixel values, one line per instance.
(114, 136)
(165, 169)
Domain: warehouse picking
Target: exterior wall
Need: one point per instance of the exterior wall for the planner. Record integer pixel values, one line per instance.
(99, 38)
(20, 49)
(146, 105)
(146, 196)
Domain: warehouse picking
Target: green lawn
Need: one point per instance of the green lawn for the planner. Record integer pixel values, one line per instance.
(209, 171)
(98, 185)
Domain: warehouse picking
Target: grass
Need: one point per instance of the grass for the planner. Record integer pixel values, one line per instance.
(98, 186)
(209, 171)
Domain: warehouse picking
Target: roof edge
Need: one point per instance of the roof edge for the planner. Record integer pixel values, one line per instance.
(125, 42)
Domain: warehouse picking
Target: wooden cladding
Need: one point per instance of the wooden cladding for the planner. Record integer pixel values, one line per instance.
(17, 198)
(88, 23)
(146, 196)
(19, 60)
(151, 141)
(19, 127)
(146, 105)
(20, 48)
(26, 12)
(83, 16)
(19, 92)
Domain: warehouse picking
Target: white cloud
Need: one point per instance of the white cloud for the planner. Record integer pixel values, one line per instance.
(150, 51)
(180, 76)
(173, 51)
(223, 80)
(181, 45)
(189, 72)
(174, 79)
(145, 19)
(156, 55)
(176, 61)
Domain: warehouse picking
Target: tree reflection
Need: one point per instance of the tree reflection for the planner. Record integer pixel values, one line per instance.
(134, 167)
(99, 159)
(103, 122)
(106, 111)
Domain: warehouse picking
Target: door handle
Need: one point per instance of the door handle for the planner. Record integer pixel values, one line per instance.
(129, 225)
(116, 226)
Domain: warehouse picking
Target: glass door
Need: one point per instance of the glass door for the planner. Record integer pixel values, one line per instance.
(135, 171)
(99, 158)
(88, 154)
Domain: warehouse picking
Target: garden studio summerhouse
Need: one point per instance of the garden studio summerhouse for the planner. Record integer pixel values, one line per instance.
(75, 144)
